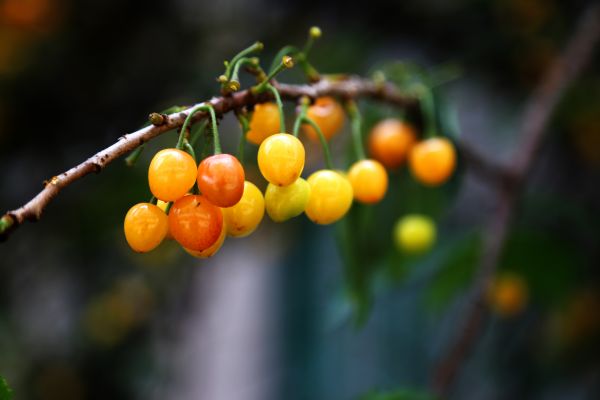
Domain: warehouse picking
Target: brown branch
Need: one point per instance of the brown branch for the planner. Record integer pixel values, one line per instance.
(536, 116)
(348, 88)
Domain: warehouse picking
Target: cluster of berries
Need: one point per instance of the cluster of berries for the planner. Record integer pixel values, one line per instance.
(230, 205)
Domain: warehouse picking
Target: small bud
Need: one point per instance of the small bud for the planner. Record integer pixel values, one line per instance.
(305, 100)
(259, 46)
(315, 32)
(287, 61)
(226, 63)
(156, 119)
(222, 79)
(254, 61)
(233, 86)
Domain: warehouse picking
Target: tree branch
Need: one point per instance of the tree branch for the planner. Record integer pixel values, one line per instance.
(536, 116)
(351, 87)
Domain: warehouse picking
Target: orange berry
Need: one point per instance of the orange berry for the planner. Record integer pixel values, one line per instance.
(328, 114)
(263, 123)
(369, 181)
(195, 223)
(171, 174)
(281, 159)
(145, 227)
(508, 295)
(390, 142)
(432, 161)
(212, 250)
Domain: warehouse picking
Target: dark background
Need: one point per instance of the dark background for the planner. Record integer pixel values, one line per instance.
(275, 315)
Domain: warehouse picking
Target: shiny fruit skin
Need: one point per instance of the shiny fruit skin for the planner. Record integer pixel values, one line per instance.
(285, 202)
(213, 249)
(330, 196)
(281, 159)
(195, 223)
(508, 295)
(369, 181)
(328, 114)
(171, 174)
(145, 227)
(432, 161)
(415, 233)
(221, 179)
(264, 122)
(244, 217)
(390, 142)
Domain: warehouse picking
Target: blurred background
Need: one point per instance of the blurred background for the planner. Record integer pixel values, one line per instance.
(294, 311)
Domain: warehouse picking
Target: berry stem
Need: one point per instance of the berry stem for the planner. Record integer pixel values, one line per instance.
(326, 152)
(356, 124)
(197, 131)
(257, 46)
(304, 101)
(286, 63)
(233, 84)
(245, 125)
(285, 51)
(188, 147)
(213, 118)
(132, 158)
(279, 106)
(313, 33)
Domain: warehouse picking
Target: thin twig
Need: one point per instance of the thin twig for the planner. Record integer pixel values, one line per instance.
(348, 88)
(536, 117)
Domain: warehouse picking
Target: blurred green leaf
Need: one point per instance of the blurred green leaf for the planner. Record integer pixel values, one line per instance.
(551, 266)
(5, 391)
(455, 273)
(400, 394)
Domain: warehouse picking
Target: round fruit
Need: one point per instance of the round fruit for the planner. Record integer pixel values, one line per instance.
(243, 218)
(432, 161)
(212, 250)
(171, 174)
(390, 142)
(415, 233)
(195, 222)
(264, 122)
(369, 181)
(287, 202)
(330, 196)
(281, 159)
(508, 295)
(328, 115)
(221, 179)
(145, 227)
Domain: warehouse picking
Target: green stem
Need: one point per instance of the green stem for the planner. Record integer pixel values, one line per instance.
(188, 147)
(279, 106)
(356, 124)
(285, 51)
(254, 47)
(300, 117)
(131, 159)
(285, 63)
(205, 108)
(153, 200)
(198, 131)
(328, 161)
(245, 124)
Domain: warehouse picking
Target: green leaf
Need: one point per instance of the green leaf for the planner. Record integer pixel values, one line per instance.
(5, 392)
(551, 266)
(455, 273)
(400, 394)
